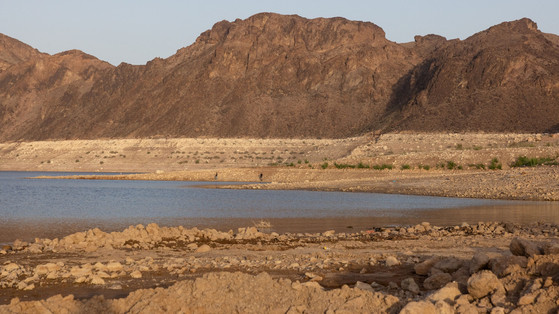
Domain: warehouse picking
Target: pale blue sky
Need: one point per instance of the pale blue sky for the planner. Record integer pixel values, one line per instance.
(136, 31)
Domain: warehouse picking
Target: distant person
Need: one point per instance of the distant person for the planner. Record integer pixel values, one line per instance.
(215, 177)
(260, 177)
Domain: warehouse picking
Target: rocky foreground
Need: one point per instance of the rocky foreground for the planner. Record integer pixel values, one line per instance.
(487, 268)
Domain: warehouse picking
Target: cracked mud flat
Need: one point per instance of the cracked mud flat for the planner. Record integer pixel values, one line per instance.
(487, 267)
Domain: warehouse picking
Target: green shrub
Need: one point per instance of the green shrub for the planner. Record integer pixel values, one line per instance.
(405, 167)
(523, 161)
(361, 165)
(450, 165)
(382, 167)
(495, 164)
(343, 166)
(324, 165)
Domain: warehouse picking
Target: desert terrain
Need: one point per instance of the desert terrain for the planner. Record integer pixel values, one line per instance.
(285, 102)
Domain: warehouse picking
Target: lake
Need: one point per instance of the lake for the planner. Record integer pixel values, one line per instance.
(32, 208)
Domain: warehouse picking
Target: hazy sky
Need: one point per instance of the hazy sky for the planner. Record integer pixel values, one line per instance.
(136, 31)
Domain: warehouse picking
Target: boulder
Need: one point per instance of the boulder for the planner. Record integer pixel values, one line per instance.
(203, 248)
(484, 283)
(505, 265)
(478, 262)
(448, 293)
(448, 265)
(437, 281)
(521, 247)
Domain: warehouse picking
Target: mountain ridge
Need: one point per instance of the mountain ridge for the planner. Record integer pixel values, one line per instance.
(273, 75)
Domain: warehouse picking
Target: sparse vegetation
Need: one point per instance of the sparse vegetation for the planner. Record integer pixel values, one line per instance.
(383, 166)
(324, 165)
(523, 161)
(405, 167)
(495, 164)
(459, 147)
(451, 165)
(361, 165)
(343, 166)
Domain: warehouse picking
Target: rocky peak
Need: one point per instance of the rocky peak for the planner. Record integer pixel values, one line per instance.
(13, 51)
(293, 31)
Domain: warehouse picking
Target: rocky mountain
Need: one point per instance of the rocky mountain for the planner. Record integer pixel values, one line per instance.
(286, 76)
(503, 79)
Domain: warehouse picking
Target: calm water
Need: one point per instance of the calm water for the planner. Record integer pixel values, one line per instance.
(38, 208)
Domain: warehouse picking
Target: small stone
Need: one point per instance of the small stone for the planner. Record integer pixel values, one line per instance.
(80, 279)
(392, 285)
(424, 267)
(96, 280)
(328, 233)
(363, 286)
(422, 307)
(410, 285)
(192, 246)
(498, 310)
(203, 248)
(136, 274)
(443, 308)
(392, 261)
(114, 266)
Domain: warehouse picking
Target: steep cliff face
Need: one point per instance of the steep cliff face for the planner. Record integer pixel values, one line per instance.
(503, 79)
(286, 76)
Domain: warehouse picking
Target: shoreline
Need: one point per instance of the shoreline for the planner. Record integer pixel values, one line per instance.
(525, 184)
(392, 269)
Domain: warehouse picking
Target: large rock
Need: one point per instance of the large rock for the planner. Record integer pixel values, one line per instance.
(448, 293)
(523, 247)
(505, 265)
(448, 265)
(484, 283)
(478, 262)
(437, 281)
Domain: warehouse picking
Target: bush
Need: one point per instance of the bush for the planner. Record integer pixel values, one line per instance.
(495, 164)
(382, 167)
(324, 165)
(405, 167)
(450, 165)
(343, 166)
(361, 165)
(523, 161)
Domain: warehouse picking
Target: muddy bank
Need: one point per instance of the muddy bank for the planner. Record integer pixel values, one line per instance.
(483, 267)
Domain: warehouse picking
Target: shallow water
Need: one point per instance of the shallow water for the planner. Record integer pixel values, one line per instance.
(51, 208)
